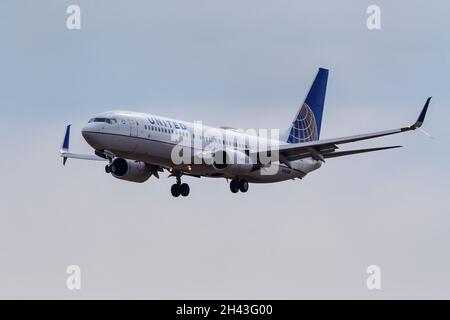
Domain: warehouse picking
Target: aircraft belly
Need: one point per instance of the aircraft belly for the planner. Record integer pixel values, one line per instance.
(153, 148)
(151, 151)
(159, 153)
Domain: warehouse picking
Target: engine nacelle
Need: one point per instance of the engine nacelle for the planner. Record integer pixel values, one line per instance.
(130, 170)
(232, 162)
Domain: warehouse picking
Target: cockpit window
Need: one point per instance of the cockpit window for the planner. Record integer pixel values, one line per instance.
(107, 120)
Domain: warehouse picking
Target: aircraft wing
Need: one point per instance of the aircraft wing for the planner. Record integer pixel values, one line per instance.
(81, 156)
(322, 149)
(357, 151)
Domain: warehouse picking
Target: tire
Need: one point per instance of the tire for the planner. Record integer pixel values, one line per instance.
(175, 190)
(243, 185)
(107, 169)
(234, 186)
(184, 189)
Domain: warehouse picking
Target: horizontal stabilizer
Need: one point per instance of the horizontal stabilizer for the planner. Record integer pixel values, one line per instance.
(351, 152)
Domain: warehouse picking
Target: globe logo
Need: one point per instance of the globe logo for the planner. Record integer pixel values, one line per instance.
(304, 127)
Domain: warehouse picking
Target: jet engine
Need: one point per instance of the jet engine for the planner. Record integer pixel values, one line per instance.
(130, 170)
(232, 162)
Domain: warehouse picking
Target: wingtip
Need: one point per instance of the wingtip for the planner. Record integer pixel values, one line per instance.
(66, 140)
(422, 115)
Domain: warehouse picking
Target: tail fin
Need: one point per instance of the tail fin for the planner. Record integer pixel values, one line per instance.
(306, 125)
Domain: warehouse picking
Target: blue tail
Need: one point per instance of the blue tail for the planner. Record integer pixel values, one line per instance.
(306, 125)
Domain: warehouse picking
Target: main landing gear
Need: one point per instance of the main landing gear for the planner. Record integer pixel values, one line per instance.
(238, 185)
(179, 188)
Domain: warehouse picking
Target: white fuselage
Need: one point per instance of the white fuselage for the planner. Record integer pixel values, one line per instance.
(151, 139)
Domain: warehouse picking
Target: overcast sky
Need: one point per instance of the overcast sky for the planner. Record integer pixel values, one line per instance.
(246, 64)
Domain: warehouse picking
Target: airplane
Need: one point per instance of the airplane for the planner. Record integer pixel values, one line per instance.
(140, 145)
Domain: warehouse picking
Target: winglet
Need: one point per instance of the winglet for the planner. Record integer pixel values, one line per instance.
(65, 144)
(421, 118)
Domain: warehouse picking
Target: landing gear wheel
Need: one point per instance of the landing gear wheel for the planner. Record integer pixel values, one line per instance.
(107, 169)
(184, 189)
(243, 185)
(234, 186)
(179, 188)
(175, 190)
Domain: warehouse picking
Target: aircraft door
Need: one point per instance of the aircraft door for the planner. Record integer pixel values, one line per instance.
(133, 127)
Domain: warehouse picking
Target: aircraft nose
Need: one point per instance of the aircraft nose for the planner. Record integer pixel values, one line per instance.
(88, 134)
(84, 131)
